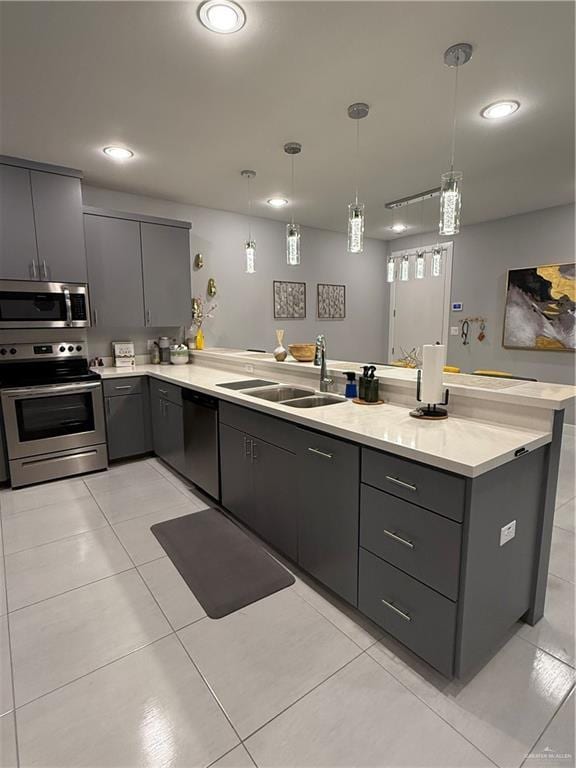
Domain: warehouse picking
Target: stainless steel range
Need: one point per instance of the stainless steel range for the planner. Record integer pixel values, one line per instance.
(53, 411)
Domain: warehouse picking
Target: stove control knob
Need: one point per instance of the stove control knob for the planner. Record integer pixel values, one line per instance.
(62, 348)
(70, 348)
(12, 351)
(78, 348)
(2, 351)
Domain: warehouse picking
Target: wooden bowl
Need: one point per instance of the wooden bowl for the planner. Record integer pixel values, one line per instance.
(304, 353)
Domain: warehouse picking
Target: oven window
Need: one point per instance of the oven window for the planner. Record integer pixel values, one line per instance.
(43, 417)
(31, 307)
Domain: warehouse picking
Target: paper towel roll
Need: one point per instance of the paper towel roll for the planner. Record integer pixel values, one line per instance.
(433, 361)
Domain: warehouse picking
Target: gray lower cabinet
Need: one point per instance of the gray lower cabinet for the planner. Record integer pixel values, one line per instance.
(18, 252)
(327, 479)
(126, 418)
(41, 232)
(4, 470)
(114, 271)
(168, 431)
(253, 476)
(166, 272)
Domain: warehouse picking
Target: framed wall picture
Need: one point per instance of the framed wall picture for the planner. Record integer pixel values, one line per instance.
(289, 300)
(539, 311)
(331, 301)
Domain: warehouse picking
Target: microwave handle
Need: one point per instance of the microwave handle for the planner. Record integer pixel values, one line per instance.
(68, 306)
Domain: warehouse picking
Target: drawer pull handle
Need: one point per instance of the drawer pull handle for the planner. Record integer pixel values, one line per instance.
(321, 453)
(247, 447)
(402, 614)
(401, 483)
(399, 539)
(162, 391)
(124, 386)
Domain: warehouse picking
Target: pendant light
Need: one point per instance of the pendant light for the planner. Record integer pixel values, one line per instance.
(356, 210)
(451, 190)
(292, 148)
(249, 244)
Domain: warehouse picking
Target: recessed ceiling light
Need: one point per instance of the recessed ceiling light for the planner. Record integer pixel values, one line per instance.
(277, 202)
(500, 109)
(223, 16)
(398, 227)
(118, 153)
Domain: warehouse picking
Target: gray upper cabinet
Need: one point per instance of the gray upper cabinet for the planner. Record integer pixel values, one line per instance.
(166, 270)
(114, 271)
(18, 254)
(41, 234)
(59, 231)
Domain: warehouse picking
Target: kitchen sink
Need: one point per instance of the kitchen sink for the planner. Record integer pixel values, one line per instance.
(315, 401)
(280, 393)
(248, 384)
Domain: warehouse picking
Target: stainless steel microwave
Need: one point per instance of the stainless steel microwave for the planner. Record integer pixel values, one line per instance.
(31, 304)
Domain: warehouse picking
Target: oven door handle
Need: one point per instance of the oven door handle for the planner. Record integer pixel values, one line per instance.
(51, 389)
(68, 303)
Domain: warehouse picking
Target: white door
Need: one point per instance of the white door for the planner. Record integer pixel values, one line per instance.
(419, 309)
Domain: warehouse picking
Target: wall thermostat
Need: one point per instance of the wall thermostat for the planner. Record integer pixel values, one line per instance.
(507, 532)
(457, 306)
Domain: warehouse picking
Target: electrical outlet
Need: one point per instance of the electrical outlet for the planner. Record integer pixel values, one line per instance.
(249, 368)
(454, 330)
(150, 344)
(507, 532)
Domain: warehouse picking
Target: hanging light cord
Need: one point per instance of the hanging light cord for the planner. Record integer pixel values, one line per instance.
(249, 211)
(454, 116)
(357, 157)
(292, 190)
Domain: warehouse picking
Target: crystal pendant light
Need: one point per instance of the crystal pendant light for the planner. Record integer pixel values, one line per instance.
(436, 268)
(356, 210)
(405, 268)
(451, 195)
(420, 265)
(249, 244)
(390, 269)
(292, 148)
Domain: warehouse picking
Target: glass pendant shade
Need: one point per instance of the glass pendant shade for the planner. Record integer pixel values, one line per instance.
(390, 270)
(293, 244)
(436, 269)
(450, 203)
(250, 248)
(420, 265)
(355, 227)
(405, 268)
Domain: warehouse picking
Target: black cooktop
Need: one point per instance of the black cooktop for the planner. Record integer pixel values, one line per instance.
(35, 374)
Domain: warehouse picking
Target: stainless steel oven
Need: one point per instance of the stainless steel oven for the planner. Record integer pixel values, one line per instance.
(34, 304)
(53, 410)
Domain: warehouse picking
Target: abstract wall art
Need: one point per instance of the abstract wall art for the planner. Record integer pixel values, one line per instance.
(289, 300)
(331, 301)
(539, 312)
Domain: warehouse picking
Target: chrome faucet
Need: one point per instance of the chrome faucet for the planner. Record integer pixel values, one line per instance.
(325, 380)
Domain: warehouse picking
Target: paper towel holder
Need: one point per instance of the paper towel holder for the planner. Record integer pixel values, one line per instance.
(430, 410)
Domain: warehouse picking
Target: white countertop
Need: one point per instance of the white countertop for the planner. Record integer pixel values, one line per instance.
(463, 445)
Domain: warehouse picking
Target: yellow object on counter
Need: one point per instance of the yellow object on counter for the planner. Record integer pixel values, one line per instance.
(501, 374)
(451, 369)
(199, 339)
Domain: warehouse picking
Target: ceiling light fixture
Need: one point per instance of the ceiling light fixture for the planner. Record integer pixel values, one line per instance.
(451, 195)
(277, 202)
(249, 244)
(222, 16)
(118, 153)
(398, 227)
(500, 109)
(356, 210)
(292, 148)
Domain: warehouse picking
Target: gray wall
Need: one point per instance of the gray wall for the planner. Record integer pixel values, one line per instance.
(483, 253)
(244, 317)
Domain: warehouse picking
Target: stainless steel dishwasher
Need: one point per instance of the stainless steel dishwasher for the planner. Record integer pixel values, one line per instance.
(201, 462)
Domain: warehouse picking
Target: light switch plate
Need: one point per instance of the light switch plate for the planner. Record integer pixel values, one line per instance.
(507, 532)
(454, 330)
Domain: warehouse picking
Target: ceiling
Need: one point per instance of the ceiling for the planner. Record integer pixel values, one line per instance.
(197, 107)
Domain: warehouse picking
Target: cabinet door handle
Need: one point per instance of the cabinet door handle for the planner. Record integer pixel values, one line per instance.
(321, 453)
(402, 614)
(45, 269)
(247, 447)
(401, 483)
(124, 386)
(399, 539)
(147, 317)
(162, 391)
(254, 455)
(33, 272)
(95, 316)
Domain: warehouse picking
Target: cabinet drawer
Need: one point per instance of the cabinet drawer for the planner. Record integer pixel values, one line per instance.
(128, 386)
(434, 489)
(421, 543)
(170, 392)
(268, 428)
(417, 616)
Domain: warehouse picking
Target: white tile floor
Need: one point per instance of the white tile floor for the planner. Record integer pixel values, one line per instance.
(107, 659)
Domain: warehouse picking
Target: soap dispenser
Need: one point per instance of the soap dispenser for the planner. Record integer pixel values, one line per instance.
(351, 389)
